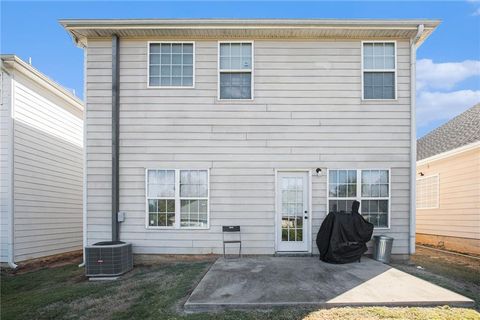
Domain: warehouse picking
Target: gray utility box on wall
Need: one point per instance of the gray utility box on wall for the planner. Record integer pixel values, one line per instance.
(108, 259)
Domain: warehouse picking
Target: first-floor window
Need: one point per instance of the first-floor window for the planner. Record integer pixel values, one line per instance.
(177, 198)
(370, 187)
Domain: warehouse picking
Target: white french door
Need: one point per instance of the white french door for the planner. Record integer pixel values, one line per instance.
(292, 216)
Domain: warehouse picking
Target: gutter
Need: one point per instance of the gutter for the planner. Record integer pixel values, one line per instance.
(413, 137)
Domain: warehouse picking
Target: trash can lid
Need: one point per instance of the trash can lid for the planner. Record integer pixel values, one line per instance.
(383, 237)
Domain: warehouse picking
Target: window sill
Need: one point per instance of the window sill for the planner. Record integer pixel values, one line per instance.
(169, 87)
(177, 229)
(379, 101)
(234, 101)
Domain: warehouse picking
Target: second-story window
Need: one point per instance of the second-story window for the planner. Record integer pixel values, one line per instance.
(379, 70)
(171, 64)
(235, 70)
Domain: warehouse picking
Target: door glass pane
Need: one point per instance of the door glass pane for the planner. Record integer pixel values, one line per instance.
(292, 208)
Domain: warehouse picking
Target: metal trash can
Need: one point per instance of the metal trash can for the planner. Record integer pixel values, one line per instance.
(382, 248)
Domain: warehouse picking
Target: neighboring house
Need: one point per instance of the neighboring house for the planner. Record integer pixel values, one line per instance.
(41, 157)
(225, 122)
(448, 184)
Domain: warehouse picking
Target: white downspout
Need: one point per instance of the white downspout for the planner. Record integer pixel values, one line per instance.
(84, 152)
(413, 137)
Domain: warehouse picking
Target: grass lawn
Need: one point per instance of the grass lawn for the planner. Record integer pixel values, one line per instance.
(157, 292)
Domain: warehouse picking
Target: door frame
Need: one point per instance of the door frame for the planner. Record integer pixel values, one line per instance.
(309, 205)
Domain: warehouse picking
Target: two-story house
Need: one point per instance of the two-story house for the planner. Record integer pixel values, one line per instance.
(267, 124)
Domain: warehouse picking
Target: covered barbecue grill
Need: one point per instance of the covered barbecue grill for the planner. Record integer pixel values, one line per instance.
(343, 236)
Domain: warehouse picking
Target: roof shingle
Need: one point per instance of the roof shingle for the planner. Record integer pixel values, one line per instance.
(461, 130)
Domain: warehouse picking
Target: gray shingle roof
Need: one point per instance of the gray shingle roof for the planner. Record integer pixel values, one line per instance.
(461, 130)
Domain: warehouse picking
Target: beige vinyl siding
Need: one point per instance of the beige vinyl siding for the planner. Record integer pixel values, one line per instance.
(5, 168)
(458, 214)
(48, 172)
(307, 113)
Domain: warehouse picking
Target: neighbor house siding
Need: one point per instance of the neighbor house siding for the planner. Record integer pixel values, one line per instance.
(458, 214)
(48, 172)
(5, 167)
(307, 113)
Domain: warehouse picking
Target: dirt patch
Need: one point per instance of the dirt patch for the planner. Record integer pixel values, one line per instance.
(154, 259)
(54, 261)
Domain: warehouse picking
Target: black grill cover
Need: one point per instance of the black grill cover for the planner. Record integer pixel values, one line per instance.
(343, 236)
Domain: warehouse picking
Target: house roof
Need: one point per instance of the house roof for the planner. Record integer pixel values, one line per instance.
(82, 29)
(12, 62)
(462, 130)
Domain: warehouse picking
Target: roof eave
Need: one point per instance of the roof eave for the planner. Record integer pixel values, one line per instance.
(81, 29)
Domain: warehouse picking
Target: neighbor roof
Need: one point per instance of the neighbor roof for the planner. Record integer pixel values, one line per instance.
(13, 62)
(82, 29)
(462, 130)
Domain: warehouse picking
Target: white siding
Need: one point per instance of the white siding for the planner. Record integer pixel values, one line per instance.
(5, 167)
(47, 172)
(307, 113)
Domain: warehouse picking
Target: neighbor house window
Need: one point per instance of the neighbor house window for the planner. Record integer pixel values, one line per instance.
(235, 70)
(177, 198)
(370, 187)
(379, 70)
(171, 64)
(428, 192)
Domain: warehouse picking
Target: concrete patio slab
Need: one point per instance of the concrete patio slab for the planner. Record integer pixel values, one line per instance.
(260, 282)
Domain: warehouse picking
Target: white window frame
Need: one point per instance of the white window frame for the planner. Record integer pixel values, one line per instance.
(251, 70)
(438, 191)
(380, 70)
(177, 199)
(359, 197)
(170, 87)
